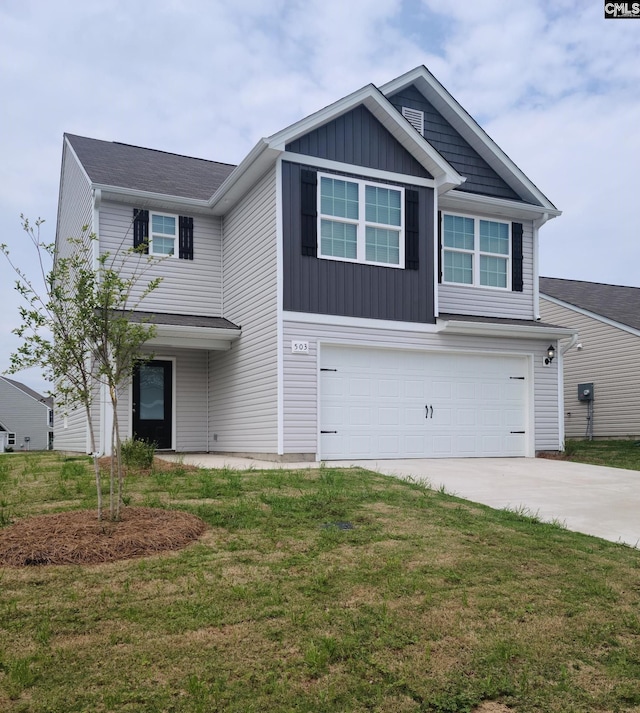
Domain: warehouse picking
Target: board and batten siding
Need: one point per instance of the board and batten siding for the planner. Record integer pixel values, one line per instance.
(243, 393)
(75, 206)
(609, 359)
(325, 286)
(486, 302)
(301, 374)
(188, 286)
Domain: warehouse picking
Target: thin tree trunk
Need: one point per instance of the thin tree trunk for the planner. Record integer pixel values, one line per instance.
(96, 464)
(116, 426)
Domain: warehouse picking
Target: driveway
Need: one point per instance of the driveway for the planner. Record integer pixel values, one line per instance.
(599, 501)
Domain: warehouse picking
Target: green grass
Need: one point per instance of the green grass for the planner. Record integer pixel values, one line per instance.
(428, 602)
(615, 453)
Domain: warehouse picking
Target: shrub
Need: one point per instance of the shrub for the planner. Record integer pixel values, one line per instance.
(138, 454)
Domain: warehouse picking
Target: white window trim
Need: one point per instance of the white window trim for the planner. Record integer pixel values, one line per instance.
(362, 224)
(175, 237)
(11, 439)
(476, 252)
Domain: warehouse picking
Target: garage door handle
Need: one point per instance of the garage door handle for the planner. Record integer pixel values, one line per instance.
(427, 411)
(518, 432)
(328, 432)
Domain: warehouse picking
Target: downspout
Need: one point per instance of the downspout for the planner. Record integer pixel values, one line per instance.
(561, 352)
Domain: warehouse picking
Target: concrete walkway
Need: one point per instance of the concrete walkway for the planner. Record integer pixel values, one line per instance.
(599, 501)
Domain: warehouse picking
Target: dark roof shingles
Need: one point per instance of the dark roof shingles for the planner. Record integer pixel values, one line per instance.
(124, 166)
(615, 302)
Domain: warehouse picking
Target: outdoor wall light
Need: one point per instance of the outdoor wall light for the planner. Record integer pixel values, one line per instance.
(551, 352)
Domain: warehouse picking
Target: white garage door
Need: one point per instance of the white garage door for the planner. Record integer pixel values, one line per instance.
(377, 403)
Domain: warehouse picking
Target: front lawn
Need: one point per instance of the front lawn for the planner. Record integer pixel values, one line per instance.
(316, 591)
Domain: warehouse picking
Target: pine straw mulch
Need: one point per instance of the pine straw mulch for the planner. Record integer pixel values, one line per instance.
(78, 537)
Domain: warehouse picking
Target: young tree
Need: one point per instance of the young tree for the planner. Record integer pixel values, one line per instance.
(75, 327)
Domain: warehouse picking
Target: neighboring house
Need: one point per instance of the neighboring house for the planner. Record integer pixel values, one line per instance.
(607, 355)
(26, 418)
(362, 285)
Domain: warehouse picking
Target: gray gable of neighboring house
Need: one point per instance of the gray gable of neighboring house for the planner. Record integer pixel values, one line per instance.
(109, 163)
(615, 302)
(481, 178)
(25, 412)
(358, 138)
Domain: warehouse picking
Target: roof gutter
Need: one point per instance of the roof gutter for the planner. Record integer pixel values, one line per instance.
(149, 196)
(489, 329)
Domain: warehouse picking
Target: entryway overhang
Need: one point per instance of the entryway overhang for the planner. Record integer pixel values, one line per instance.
(189, 331)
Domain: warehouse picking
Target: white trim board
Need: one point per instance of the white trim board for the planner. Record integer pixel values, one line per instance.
(593, 315)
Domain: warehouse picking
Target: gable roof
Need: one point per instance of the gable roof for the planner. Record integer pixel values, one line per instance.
(46, 400)
(113, 164)
(615, 302)
(268, 149)
(472, 132)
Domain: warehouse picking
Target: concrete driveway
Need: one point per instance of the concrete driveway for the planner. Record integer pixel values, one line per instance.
(599, 501)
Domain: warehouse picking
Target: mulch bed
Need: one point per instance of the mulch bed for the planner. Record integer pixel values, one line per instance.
(78, 537)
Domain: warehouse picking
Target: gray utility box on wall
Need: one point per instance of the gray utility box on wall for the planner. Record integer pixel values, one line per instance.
(585, 392)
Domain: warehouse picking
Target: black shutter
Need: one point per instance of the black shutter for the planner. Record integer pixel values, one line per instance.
(439, 246)
(516, 257)
(411, 229)
(141, 230)
(309, 208)
(185, 233)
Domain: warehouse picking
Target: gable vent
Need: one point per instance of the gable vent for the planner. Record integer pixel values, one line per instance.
(415, 117)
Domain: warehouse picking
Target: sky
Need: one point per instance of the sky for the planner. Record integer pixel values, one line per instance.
(553, 83)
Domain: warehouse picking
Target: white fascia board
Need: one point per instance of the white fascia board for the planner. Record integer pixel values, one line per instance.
(254, 165)
(143, 198)
(174, 335)
(370, 97)
(470, 202)
(469, 129)
(488, 329)
(593, 315)
(360, 322)
(340, 167)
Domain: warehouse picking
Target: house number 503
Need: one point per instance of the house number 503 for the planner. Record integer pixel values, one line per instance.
(300, 347)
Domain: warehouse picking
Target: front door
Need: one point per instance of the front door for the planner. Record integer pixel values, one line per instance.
(152, 402)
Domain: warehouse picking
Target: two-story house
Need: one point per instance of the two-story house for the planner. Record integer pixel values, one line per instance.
(364, 284)
(26, 418)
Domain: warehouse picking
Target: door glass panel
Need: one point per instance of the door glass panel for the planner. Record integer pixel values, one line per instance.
(151, 393)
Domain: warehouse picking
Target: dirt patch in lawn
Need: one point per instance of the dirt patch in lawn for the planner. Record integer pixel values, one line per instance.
(78, 537)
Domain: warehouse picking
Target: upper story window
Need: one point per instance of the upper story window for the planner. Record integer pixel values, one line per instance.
(360, 221)
(476, 251)
(162, 240)
(162, 234)
(50, 418)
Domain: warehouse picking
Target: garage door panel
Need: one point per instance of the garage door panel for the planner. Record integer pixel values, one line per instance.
(394, 403)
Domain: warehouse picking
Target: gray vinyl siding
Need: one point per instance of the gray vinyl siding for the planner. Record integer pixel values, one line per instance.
(481, 301)
(191, 400)
(610, 359)
(243, 381)
(301, 373)
(75, 204)
(23, 415)
(188, 286)
(358, 138)
(350, 289)
(74, 437)
(481, 178)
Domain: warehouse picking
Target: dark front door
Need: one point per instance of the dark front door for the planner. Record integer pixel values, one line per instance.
(152, 402)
